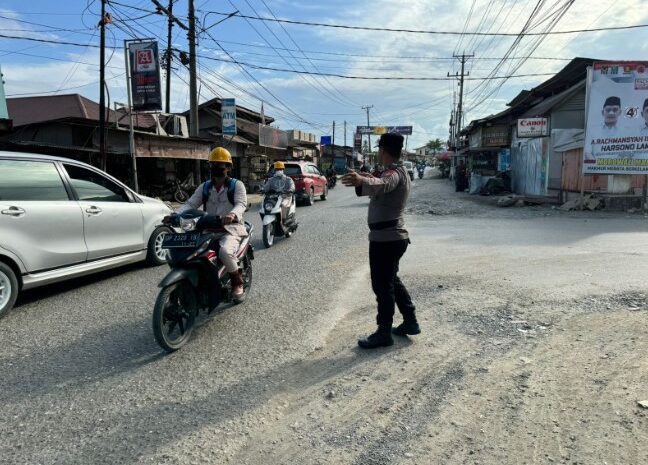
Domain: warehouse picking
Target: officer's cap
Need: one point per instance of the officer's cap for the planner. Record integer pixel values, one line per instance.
(393, 143)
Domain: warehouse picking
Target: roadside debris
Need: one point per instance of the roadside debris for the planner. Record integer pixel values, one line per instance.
(590, 202)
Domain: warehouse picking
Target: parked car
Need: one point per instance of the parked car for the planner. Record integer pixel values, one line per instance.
(61, 218)
(409, 166)
(309, 181)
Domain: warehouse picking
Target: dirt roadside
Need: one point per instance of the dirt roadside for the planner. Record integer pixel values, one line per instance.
(533, 352)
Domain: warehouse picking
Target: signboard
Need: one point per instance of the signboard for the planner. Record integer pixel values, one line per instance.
(228, 115)
(144, 64)
(380, 130)
(325, 140)
(616, 133)
(532, 127)
(357, 142)
(272, 137)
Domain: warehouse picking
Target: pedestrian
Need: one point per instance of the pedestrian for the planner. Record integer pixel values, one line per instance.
(388, 240)
(461, 177)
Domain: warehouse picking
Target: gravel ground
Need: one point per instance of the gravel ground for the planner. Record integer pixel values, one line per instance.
(533, 351)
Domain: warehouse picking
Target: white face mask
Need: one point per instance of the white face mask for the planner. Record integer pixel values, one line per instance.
(279, 173)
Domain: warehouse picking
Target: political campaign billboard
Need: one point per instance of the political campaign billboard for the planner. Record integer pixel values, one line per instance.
(616, 133)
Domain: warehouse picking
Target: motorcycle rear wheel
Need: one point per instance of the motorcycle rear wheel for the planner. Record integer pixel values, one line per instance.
(175, 308)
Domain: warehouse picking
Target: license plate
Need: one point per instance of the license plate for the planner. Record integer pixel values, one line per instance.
(180, 241)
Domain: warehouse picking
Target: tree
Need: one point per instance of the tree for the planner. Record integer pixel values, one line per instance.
(435, 145)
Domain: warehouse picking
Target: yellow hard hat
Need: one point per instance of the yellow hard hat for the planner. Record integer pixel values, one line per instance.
(279, 165)
(220, 155)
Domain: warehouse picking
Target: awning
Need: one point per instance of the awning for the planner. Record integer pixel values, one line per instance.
(238, 139)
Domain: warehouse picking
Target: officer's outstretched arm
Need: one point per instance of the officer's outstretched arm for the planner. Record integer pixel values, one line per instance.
(376, 186)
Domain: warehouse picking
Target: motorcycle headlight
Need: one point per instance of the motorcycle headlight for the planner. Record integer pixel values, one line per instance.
(188, 225)
(268, 206)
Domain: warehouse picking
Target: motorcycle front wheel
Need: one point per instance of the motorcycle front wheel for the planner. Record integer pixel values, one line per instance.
(268, 235)
(174, 315)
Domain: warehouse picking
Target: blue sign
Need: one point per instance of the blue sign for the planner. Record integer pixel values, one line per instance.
(326, 140)
(228, 115)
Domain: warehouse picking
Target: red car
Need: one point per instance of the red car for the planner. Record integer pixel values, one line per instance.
(309, 181)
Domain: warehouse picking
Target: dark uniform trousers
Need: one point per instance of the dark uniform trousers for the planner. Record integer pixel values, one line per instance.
(384, 259)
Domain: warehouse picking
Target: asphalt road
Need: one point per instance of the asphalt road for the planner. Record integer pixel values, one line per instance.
(532, 352)
(84, 382)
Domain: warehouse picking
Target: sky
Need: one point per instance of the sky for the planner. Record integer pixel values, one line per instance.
(312, 103)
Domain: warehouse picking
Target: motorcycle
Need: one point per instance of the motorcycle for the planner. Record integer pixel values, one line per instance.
(275, 221)
(197, 280)
(331, 181)
(421, 172)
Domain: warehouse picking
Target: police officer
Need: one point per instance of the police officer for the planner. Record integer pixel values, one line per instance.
(388, 240)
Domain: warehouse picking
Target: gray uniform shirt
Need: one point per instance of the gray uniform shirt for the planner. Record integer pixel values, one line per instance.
(218, 204)
(388, 195)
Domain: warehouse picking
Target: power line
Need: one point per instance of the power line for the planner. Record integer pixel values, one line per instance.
(420, 31)
(374, 78)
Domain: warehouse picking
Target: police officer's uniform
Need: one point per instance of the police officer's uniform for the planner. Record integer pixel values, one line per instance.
(388, 241)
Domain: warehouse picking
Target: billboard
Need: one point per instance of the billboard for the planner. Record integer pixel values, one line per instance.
(357, 142)
(146, 89)
(380, 130)
(228, 116)
(532, 127)
(272, 137)
(616, 133)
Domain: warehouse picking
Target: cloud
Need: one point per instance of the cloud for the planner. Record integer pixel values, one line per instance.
(424, 104)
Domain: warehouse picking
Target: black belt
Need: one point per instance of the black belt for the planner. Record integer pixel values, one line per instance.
(383, 225)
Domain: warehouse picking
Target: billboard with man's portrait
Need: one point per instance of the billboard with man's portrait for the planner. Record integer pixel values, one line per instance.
(616, 136)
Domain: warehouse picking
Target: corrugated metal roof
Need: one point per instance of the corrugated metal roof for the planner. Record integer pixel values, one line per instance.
(548, 104)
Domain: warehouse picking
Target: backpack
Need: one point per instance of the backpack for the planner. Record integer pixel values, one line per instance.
(231, 187)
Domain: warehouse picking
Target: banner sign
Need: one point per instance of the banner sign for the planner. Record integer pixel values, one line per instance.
(357, 142)
(325, 140)
(616, 133)
(272, 137)
(228, 115)
(380, 130)
(146, 88)
(532, 127)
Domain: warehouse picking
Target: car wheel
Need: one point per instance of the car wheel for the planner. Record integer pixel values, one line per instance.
(325, 194)
(310, 200)
(8, 289)
(156, 255)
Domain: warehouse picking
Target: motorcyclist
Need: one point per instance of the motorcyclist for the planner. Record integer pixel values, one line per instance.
(283, 184)
(225, 197)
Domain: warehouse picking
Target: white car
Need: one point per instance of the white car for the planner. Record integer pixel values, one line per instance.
(409, 166)
(61, 219)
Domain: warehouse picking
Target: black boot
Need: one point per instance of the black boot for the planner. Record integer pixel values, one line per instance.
(408, 327)
(381, 338)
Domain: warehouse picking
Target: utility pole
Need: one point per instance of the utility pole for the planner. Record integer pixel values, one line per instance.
(368, 107)
(102, 85)
(194, 129)
(345, 133)
(333, 147)
(169, 58)
(459, 116)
